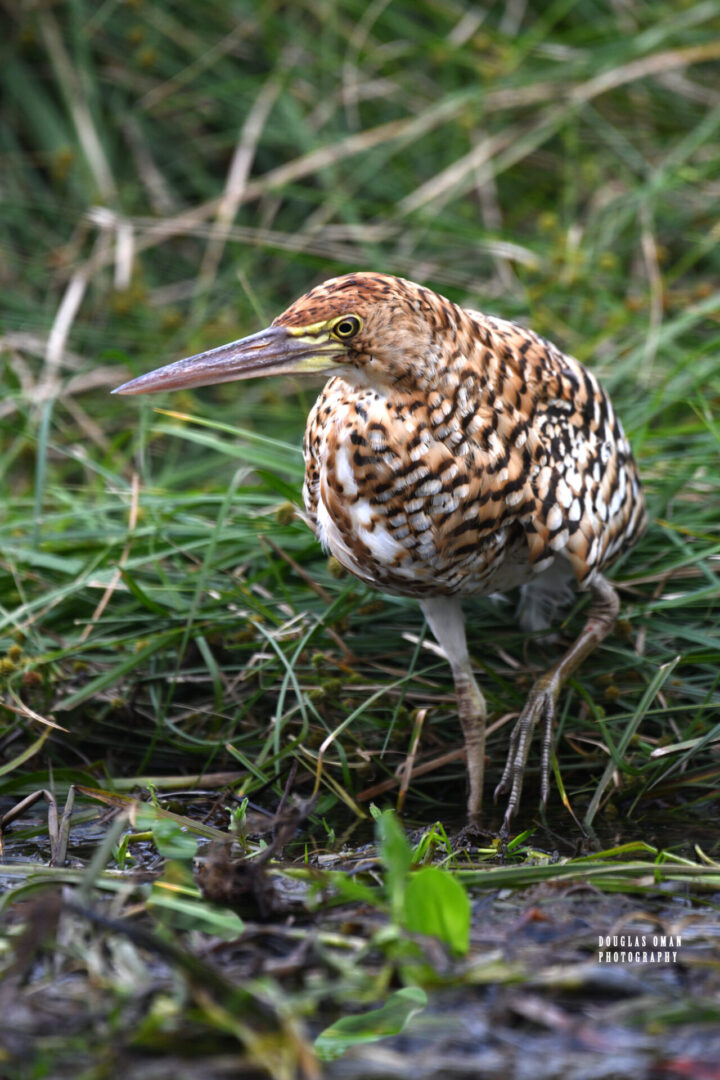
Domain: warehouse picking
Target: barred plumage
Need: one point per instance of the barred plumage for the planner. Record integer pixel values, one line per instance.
(452, 453)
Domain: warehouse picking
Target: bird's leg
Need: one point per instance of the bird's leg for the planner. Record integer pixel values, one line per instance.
(541, 701)
(447, 622)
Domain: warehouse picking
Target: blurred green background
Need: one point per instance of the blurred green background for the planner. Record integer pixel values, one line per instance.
(173, 175)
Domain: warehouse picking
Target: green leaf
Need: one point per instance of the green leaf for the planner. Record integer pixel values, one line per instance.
(112, 675)
(64, 564)
(140, 594)
(173, 841)
(25, 754)
(278, 455)
(190, 913)
(351, 889)
(276, 483)
(396, 856)
(436, 903)
(371, 1026)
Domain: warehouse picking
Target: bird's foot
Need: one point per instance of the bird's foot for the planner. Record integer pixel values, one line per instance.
(540, 706)
(472, 836)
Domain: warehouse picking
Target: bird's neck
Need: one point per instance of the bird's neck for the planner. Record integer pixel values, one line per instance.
(471, 353)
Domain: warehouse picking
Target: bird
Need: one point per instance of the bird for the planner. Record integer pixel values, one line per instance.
(451, 454)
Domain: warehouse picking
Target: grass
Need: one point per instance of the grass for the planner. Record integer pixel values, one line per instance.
(173, 176)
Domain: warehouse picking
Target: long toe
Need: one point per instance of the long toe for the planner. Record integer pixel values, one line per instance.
(539, 706)
(503, 785)
(547, 734)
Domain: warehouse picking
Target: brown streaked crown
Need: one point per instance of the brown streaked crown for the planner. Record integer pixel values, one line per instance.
(403, 324)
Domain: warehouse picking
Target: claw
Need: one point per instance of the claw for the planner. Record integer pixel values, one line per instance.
(539, 706)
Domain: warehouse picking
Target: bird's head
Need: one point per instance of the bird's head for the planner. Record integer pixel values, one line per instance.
(371, 328)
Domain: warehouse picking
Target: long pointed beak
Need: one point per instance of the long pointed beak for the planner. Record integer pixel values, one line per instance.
(275, 351)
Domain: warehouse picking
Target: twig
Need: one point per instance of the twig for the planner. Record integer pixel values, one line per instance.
(72, 87)
(237, 180)
(652, 266)
(406, 769)
(439, 762)
(21, 709)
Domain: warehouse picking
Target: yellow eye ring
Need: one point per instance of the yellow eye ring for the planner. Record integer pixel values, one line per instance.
(347, 327)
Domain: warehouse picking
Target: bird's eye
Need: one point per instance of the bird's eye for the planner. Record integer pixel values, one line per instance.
(347, 327)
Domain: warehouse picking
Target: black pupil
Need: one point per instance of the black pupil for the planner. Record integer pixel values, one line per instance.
(346, 327)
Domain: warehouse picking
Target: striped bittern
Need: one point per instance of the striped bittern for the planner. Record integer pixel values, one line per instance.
(451, 454)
